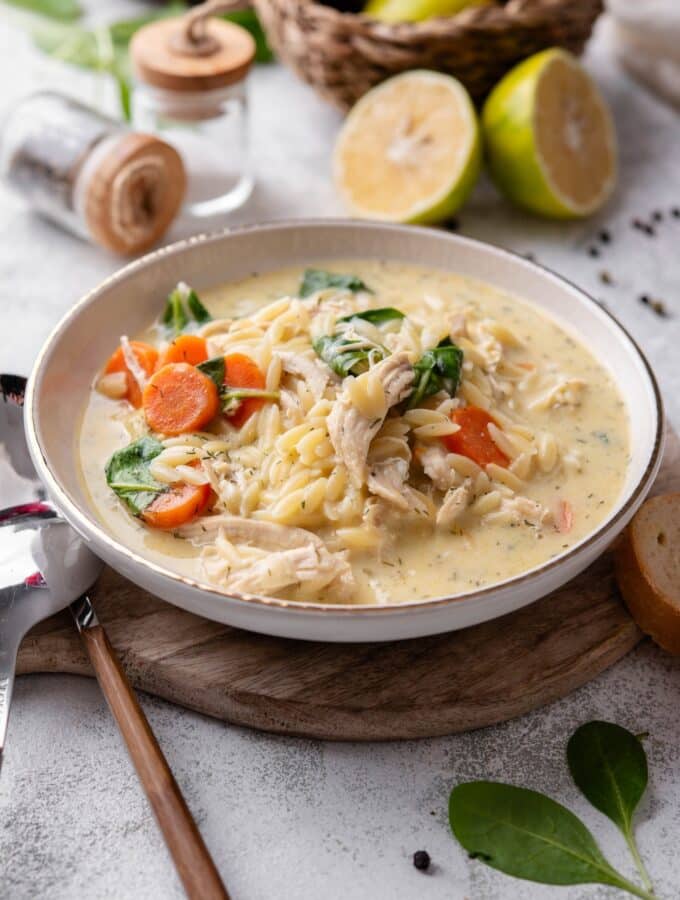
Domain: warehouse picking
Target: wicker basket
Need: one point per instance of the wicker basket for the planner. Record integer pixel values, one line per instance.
(343, 55)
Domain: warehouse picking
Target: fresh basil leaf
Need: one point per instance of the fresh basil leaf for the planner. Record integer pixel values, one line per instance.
(528, 835)
(174, 316)
(436, 370)
(62, 10)
(314, 280)
(196, 308)
(127, 474)
(346, 361)
(609, 766)
(214, 368)
(376, 316)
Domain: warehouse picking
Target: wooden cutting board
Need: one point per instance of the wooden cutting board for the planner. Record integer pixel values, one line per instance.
(418, 688)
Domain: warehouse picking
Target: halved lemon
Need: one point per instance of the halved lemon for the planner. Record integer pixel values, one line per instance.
(549, 137)
(417, 10)
(409, 150)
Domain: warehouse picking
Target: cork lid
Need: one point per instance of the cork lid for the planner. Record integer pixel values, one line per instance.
(191, 53)
(129, 191)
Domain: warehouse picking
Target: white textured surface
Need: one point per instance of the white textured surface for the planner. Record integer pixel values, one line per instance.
(299, 819)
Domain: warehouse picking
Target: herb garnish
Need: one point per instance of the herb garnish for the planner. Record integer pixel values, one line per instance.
(314, 280)
(376, 316)
(183, 302)
(529, 835)
(231, 397)
(127, 474)
(346, 356)
(436, 370)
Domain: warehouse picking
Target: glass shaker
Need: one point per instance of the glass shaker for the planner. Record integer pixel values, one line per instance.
(190, 75)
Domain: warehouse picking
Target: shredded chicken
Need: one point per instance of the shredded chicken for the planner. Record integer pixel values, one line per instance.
(434, 460)
(132, 362)
(522, 509)
(387, 479)
(351, 432)
(455, 502)
(315, 375)
(295, 556)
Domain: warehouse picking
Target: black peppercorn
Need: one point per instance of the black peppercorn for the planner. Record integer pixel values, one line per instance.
(657, 215)
(605, 236)
(644, 299)
(421, 860)
(675, 212)
(593, 251)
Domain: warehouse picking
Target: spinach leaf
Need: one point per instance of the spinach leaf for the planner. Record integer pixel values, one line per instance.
(214, 368)
(314, 280)
(196, 308)
(62, 10)
(437, 369)
(333, 350)
(609, 766)
(231, 398)
(528, 835)
(175, 316)
(127, 474)
(376, 316)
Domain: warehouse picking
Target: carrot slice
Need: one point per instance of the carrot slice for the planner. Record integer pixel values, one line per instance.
(473, 440)
(179, 398)
(146, 356)
(188, 348)
(179, 505)
(241, 372)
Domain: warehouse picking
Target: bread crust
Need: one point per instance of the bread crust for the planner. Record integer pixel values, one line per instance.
(656, 611)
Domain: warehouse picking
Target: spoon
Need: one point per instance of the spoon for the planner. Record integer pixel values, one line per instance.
(45, 567)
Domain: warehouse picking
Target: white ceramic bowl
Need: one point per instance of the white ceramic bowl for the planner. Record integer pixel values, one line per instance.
(128, 301)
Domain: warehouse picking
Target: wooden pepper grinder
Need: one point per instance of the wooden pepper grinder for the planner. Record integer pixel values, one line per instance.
(190, 75)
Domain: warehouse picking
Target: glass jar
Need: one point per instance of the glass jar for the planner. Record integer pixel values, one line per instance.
(209, 129)
(190, 89)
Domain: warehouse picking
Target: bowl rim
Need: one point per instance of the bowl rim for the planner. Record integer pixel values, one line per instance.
(91, 528)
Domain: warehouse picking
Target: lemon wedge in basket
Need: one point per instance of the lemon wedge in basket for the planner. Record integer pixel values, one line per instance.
(417, 10)
(409, 150)
(549, 138)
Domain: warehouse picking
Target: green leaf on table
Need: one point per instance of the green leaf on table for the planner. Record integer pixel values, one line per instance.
(314, 280)
(528, 835)
(609, 765)
(438, 369)
(128, 475)
(376, 316)
(62, 10)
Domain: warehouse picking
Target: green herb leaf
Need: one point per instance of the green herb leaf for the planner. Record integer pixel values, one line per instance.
(528, 835)
(609, 766)
(214, 368)
(174, 316)
(436, 370)
(232, 398)
(376, 316)
(62, 10)
(196, 308)
(314, 280)
(127, 474)
(330, 348)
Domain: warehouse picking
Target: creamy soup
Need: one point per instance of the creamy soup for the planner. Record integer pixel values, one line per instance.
(366, 432)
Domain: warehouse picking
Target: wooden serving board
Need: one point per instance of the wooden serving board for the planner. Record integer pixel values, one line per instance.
(406, 689)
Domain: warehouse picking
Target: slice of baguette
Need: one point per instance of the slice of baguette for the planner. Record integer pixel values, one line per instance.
(648, 569)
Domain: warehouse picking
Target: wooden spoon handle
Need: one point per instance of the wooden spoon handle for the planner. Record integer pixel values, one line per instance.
(190, 855)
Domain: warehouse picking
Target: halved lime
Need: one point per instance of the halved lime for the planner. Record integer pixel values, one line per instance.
(549, 137)
(409, 150)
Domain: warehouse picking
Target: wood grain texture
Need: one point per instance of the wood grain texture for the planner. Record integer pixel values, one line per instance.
(407, 689)
(194, 864)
